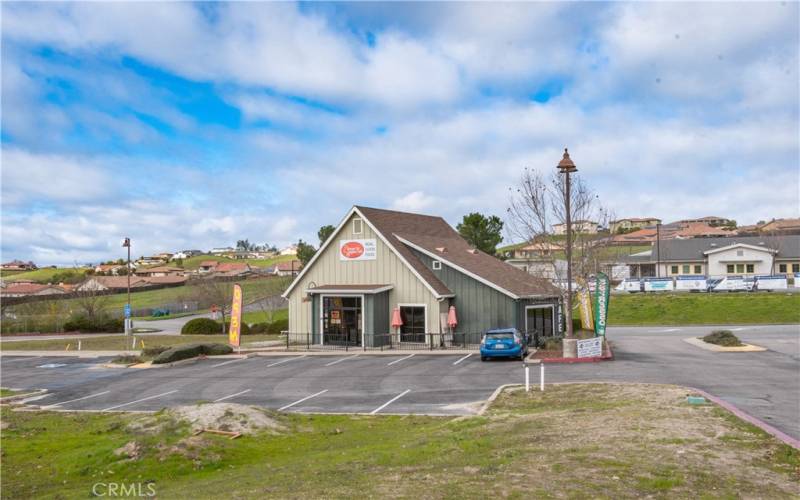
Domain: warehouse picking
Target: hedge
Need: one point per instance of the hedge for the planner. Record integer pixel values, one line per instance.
(105, 324)
(207, 326)
(187, 351)
(201, 326)
(274, 328)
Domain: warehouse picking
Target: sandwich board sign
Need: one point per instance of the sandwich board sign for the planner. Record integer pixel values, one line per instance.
(590, 348)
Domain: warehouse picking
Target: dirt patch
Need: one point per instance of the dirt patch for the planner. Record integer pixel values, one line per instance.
(131, 451)
(227, 417)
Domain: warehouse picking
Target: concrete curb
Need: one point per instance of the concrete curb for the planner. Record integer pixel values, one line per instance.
(609, 356)
(451, 352)
(15, 397)
(778, 434)
(698, 342)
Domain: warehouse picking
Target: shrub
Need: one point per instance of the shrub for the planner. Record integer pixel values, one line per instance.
(187, 351)
(154, 351)
(243, 330)
(278, 326)
(259, 328)
(201, 326)
(81, 323)
(724, 338)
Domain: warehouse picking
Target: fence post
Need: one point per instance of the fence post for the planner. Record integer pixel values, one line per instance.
(308, 342)
(527, 378)
(541, 376)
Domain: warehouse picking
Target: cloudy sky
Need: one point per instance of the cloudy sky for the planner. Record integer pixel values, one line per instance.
(194, 125)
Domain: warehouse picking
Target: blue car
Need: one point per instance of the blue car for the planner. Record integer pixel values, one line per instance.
(503, 343)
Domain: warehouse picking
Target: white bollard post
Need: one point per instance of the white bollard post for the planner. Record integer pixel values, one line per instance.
(79, 345)
(541, 376)
(133, 344)
(527, 378)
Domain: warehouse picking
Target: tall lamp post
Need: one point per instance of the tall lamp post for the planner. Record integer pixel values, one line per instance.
(566, 167)
(127, 243)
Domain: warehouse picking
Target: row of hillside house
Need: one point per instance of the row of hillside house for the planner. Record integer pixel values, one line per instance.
(673, 230)
(29, 289)
(719, 257)
(632, 223)
(380, 266)
(18, 265)
(121, 283)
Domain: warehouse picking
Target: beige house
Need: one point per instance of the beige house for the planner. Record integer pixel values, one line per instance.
(579, 226)
(632, 223)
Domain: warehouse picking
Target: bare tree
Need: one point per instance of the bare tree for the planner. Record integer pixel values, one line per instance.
(537, 204)
(268, 296)
(91, 302)
(217, 293)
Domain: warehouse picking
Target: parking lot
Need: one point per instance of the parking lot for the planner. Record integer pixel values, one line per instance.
(764, 384)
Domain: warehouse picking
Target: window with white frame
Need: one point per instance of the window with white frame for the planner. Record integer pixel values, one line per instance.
(437, 264)
(358, 226)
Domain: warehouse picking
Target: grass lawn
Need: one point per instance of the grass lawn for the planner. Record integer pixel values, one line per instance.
(8, 392)
(261, 317)
(704, 309)
(619, 441)
(194, 262)
(111, 343)
(44, 275)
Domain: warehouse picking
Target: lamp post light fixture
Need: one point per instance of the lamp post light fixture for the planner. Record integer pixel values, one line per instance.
(127, 244)
(566, 167)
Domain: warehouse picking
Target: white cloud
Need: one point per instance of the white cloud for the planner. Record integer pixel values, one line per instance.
(415, 201)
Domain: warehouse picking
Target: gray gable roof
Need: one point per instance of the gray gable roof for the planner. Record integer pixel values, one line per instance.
(693, 249)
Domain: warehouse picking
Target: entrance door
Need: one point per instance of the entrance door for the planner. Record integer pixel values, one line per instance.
(539, 321)
(341, 320)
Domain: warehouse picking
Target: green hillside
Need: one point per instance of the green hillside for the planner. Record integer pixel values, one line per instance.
(44, 275)
(194, 262)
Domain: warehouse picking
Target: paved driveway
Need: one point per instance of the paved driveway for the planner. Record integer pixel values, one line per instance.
(764, 384)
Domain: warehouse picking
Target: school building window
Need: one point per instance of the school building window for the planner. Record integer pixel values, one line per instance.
(750, 268)
(698, 269)
(729, 269)
(739, 268)
(686, 268)
(782, 268)
(673, 269)
(796, 268)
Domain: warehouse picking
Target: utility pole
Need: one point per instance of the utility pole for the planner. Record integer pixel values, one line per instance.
(567, 167)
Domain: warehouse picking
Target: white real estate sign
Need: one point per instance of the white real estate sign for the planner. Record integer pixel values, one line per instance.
(590, 348)
(358, 249)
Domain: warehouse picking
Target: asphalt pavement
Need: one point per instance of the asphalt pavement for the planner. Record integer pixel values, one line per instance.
(764, 384)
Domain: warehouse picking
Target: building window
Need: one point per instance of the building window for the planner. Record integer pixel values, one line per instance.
(751, 268)
(686, 268)
(781, 268)
(358, 226)
(413, 329)
(739, 268)
(437, 264)
(698, 269)
(730, 269)
(673, 269)
(796, 268)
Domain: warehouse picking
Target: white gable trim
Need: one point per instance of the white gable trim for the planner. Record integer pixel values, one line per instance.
(458, 268)
(740, 245)
(383, 239)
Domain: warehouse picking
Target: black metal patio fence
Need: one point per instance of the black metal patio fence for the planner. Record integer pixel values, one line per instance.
(383, 341)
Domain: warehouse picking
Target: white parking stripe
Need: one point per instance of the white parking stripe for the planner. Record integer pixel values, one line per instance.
(399, 360)
(301, 400)
(462, 359)
(340, 360)
(384, 405)
(231, 396)
(73, 400)
(228, 362)
(286, 360)
(138, 400)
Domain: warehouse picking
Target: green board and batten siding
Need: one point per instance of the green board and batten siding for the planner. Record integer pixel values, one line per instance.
(480, 307)
(387, 268)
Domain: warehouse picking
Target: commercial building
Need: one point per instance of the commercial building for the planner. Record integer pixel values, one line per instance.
(378, 261)
(719, 257)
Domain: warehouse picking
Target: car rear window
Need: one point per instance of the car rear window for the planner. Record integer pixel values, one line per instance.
(501, 335)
